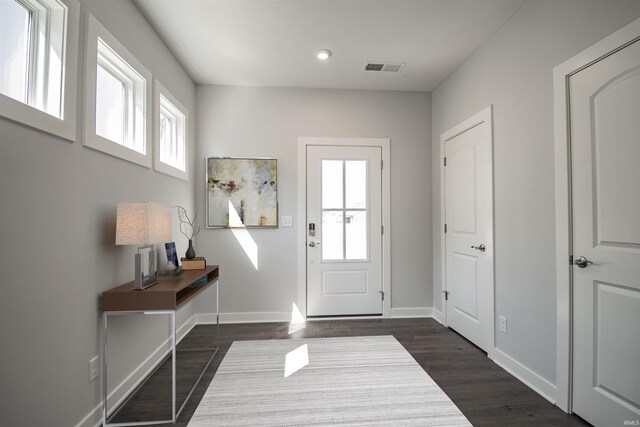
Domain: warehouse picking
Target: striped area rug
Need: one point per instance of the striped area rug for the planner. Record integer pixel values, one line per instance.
(363, 381)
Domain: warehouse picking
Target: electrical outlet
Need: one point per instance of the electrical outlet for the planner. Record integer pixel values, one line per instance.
(503, 324)
(93, 369)
(286, 221)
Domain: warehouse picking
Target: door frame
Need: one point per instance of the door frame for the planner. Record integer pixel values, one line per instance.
(484, 116)
(564, 214)
(385, 145)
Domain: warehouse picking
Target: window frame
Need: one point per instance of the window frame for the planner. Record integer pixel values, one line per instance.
(28, 114)
(96, 33)
(160, 166)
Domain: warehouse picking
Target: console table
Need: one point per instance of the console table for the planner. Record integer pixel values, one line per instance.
(166, 297)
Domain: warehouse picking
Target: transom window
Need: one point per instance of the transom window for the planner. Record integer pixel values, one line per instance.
(32, 53)
(171, 135)
(119, 100)
(171, 125)
(118, 115)
(344, 210)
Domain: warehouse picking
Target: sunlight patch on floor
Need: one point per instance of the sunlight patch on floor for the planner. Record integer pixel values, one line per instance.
(296, 360)
(297, 320)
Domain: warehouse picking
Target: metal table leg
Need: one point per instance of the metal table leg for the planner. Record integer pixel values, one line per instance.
(174, 413)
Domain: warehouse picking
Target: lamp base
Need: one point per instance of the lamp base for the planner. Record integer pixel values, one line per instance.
(145, 282)
(141, 281)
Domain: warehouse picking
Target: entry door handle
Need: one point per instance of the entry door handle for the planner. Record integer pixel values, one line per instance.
(481, 248)
(582, 262)
(313, 244)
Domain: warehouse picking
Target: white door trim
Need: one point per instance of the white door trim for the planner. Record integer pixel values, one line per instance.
(478, 118)
(385, 144)
(561, 74)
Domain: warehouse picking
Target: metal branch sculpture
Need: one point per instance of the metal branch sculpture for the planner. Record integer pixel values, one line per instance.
(187, 226)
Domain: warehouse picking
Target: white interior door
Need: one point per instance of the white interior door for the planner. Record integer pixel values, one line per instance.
(605, 152)
(469, 230)
(344, 227)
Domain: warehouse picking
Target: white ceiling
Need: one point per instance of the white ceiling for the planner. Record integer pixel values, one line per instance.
(271, 42)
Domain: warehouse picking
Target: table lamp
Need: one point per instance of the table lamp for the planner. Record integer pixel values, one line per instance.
(143, 224)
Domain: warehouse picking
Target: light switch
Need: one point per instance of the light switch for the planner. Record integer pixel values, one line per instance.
(286, 221)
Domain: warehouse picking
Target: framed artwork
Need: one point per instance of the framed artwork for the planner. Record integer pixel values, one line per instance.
(242, 193)
(172, 256)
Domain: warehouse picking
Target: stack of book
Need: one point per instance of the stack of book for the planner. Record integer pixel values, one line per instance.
(197, 263)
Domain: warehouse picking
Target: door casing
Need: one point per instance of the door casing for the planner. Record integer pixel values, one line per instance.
(484, 116)
(562, 154)
(385, 144)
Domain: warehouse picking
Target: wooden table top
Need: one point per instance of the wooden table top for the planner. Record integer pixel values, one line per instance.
(169, 294)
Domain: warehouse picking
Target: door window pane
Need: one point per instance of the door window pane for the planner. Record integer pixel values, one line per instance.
(332, 235)
(332, 184)
(356, 234)
(14, 49)
(110, 105)
(356, 184)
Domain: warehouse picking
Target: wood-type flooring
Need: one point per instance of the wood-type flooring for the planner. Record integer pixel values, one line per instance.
(485, 393)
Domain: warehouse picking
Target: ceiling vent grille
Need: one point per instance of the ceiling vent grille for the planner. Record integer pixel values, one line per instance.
(390, 67)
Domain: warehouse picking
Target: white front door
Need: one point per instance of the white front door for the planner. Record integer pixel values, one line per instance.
(344, 222)
(605, 152)
(469, 230)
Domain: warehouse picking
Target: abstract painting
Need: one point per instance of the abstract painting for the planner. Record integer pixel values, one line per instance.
(241, 192)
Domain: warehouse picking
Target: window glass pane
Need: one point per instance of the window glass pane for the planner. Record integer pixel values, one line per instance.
(14, 49)
(332, 235)
(332, 184)
(110, 106)
(172, 135)
(166, 139)
(135, 93)
(356, 183)
(356, 233)
(56, 48)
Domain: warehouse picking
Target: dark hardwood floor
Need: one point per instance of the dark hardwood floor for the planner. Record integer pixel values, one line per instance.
(485, 393)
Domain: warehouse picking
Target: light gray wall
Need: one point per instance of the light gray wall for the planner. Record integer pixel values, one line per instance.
(57, 227)
(266, 122)
(513, 71)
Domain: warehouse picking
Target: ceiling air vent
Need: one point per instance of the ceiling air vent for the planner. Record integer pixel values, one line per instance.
(391, 67)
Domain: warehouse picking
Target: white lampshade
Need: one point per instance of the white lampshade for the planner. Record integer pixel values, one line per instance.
(143, 223)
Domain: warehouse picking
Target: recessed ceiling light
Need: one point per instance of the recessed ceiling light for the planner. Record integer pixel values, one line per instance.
(323, 54)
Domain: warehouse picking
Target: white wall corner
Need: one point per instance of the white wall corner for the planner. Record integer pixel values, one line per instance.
(257, 317)
(128, 385)
(438, 316)
(404, 312)
(534, 381)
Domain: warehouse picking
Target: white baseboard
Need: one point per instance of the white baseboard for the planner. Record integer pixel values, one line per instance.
(122, 390)
(398, 313)
(284, 316)
(438, 316)
(534, 381)
(264, 317)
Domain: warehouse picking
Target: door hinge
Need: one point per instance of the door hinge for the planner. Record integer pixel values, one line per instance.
(445, 228)
(446, 295)
(381, 164)
(445, 161)
(382, 229)
(382, 294)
